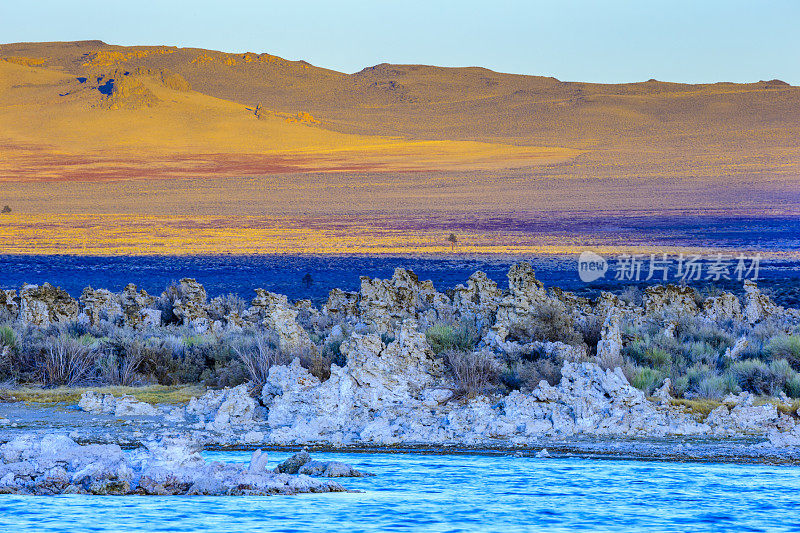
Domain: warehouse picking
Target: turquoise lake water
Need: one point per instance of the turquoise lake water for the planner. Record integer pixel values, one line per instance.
(416, 492)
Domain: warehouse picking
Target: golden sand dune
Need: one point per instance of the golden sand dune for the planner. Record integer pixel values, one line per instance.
(325, 156)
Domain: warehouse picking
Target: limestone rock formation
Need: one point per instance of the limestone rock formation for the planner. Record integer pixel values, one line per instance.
(385, 303)
(757, 306)
(45, 304)
(168, 466)
(223, 410)
(100, 303)
(481, 296)
(725, 306)
(672, 299)
(136, 307)
(125, 405)
(342, 304)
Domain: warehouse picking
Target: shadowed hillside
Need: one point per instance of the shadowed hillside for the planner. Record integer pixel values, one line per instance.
(478, 143)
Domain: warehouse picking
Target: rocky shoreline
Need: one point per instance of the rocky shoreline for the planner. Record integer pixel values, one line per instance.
(394, 391)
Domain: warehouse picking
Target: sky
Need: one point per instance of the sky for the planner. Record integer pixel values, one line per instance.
(602, 41)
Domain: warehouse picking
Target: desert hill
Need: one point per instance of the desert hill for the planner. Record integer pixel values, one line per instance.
(306, 147)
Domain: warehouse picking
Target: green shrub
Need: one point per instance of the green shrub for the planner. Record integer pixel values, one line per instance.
(8, 337)
(445, 336)
(647, 379)
(792, 386)
(785, 347)
(715, 387)
(755, 376)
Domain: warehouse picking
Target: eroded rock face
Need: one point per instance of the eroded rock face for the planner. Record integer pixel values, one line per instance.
(292, 338)
(757, 306)
(225, 410)
(385, 303)
(9, 302)
(480, 297)
(190, 305)
(609, 347)
(125, 405)
(377, 378)
(725, 306)
(136, 307)
(671, 299)
(31, 464)
(526, 296)
(167, 466)
(45, 304)
(342, 304)
(100, 303)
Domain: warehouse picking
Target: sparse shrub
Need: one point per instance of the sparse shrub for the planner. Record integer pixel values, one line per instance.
(591, 331)
(632, 295)
(680, 385)
(526, 375)
(472, 371)
(121, 362)
(66, 361)
(332, 350)
(227, 304)
(549, 321)
(8, 337)
(643, 353)
(258, 356)
(647, 379)
(317, 363)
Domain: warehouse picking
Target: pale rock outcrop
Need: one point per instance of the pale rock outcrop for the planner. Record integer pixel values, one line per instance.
(593, 401)
(526, 295)
(45, 304)
(610, 345)
(9, 302)
(136, 307)
(225, 410)
(744, 417)
(100, 304)
(757, 306)
(292, 337)
(189, 304)
(737, 349)
(725, 306)
(379, 382)
(125, 405)
(342, 304)
(670, 299)
(664, 392)
(274, 312)
(384, 303)
(302, 463)
(480, 297)
(31, 464)
(263, 303)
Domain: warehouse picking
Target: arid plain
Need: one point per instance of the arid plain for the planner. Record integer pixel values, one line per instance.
(160, 150)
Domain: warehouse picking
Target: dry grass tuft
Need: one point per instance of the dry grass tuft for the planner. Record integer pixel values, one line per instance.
(155, 394)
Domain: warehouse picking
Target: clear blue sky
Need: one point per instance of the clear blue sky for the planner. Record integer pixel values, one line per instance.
(588, 40)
